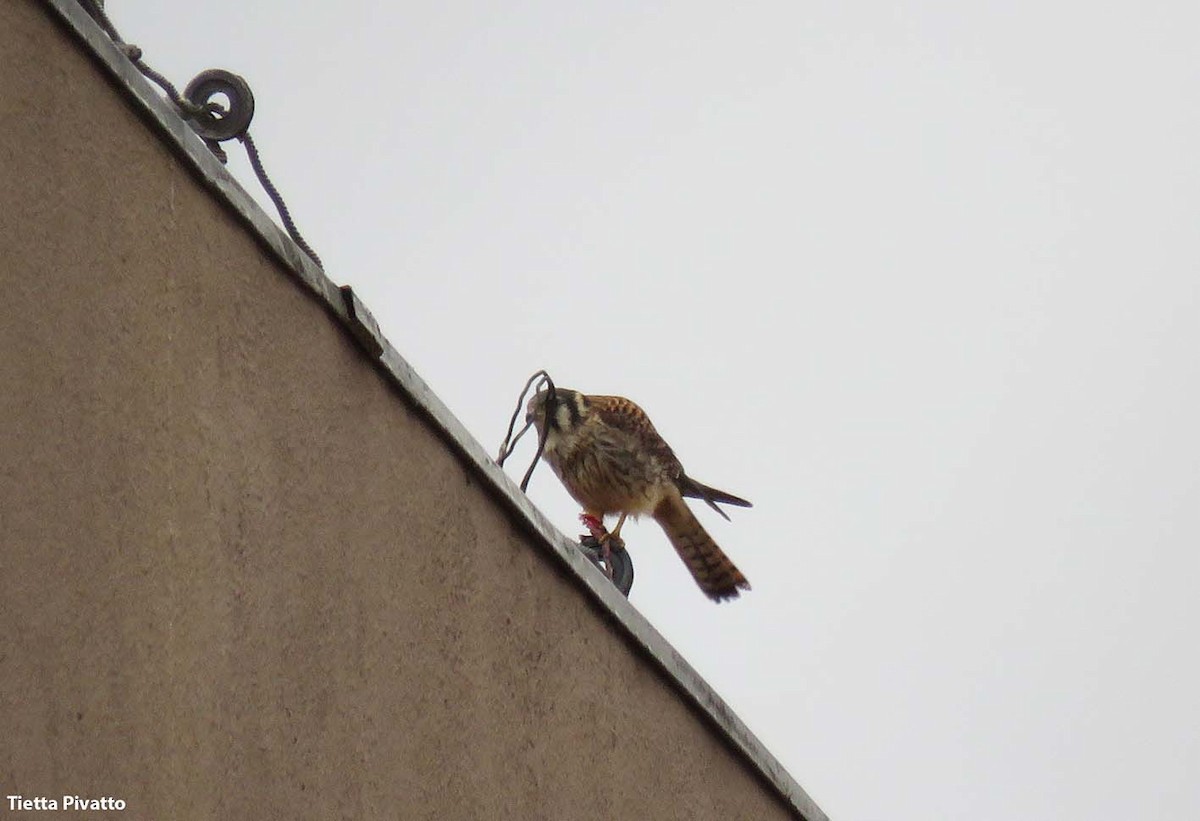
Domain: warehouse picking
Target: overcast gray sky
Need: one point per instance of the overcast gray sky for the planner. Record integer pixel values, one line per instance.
(919, 279)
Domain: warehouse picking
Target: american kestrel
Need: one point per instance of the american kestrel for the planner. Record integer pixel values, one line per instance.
(613, 461)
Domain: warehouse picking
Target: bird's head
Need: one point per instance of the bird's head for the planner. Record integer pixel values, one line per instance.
(559, 409)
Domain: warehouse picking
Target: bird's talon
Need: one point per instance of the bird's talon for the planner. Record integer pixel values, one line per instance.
(590, 548)
(606, 566)
(598, 553)
(595, 526)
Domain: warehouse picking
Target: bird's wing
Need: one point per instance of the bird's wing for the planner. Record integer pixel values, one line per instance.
(625, 415)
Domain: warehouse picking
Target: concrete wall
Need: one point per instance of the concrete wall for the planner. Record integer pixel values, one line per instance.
(239, 577)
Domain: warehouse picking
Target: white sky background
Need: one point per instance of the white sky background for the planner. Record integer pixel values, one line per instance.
(919, 281)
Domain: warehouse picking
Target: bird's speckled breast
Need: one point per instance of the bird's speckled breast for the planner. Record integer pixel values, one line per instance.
(605, 471)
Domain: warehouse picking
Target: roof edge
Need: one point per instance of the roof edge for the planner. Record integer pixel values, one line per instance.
(357, 321)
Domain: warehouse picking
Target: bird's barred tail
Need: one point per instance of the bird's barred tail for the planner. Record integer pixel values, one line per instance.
(717, 576)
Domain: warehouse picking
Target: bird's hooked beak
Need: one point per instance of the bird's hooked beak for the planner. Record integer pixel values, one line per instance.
(531, 410)
(542, 406)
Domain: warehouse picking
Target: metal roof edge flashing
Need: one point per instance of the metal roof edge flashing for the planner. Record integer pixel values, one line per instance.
(358, 322)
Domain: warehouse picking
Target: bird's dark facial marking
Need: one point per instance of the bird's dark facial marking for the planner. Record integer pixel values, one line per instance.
(572, 405)
(563, 410)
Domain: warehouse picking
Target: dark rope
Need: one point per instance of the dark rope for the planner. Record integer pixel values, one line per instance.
(96, 11)
(277, 198)
(191, 110)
